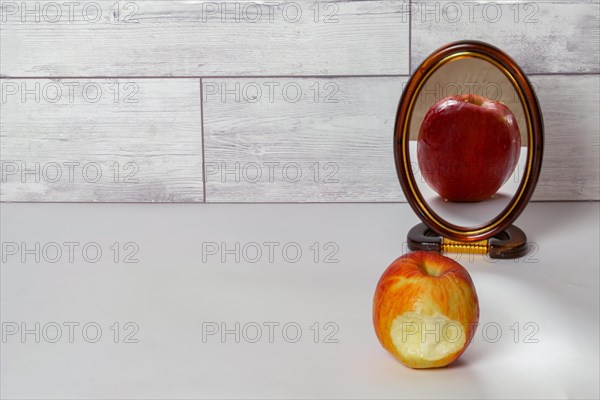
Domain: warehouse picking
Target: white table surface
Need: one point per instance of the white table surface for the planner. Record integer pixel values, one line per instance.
(171, 292)
(469, 214)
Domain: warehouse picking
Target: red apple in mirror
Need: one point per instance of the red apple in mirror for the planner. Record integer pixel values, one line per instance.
(425, 309)
(468, 147)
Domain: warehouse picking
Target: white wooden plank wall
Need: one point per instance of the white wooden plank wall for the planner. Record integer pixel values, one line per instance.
(192, 101)
(547, 36)
(191, 38)
(101, 140)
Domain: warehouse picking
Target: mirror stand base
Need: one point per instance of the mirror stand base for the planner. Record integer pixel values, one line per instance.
(508, 244)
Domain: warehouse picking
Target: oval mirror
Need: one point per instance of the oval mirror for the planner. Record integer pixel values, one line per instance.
(468, 147)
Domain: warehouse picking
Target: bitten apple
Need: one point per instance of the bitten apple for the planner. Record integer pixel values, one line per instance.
(425, 309)
(468, 147)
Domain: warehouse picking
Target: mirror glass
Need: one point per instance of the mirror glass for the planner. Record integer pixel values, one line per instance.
(468, 141)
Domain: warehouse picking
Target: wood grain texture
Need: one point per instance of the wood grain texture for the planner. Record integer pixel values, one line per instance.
(250, 140)
(150, 128)
(199, 38)
(555, 36)
(571, 110)
(345, 132)
(270, 139)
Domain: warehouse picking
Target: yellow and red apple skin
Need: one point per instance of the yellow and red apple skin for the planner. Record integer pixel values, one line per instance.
(406, 287)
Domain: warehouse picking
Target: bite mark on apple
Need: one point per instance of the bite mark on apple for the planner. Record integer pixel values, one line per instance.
(426, 338)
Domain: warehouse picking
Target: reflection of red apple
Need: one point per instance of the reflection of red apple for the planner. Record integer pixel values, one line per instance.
(468, 147)
(425, 309)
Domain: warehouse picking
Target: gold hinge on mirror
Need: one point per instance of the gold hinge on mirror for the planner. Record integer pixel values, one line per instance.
(511, 243)
(453, 246)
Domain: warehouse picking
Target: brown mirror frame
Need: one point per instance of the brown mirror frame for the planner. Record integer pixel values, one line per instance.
(535, 135)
